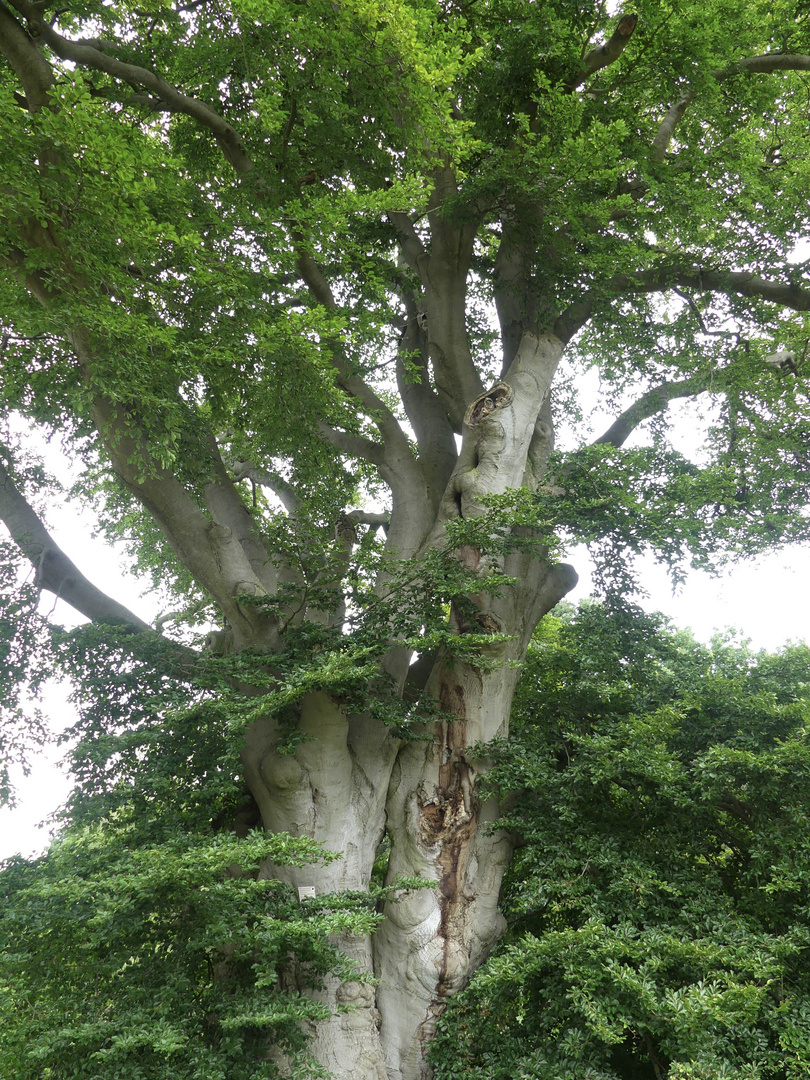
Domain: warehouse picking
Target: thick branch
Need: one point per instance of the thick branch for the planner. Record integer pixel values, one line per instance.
(754, 65)
(451, 248)
(311, 273)
(226, 507)
(30, 66)
(430, 423)
(742, 283)
(606, 54)
(763, 65)
(665, 132)
(516, 298)
(659, 279)
(366, 517)
(54, 570)
(88, 56)
(354, 445)
(412, 248)
(211, 551)
(656, 401)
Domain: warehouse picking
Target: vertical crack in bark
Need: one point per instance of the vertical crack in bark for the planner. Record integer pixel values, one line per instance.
(448, 825)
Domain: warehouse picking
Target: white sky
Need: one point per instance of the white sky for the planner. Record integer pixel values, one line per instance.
(45, 789)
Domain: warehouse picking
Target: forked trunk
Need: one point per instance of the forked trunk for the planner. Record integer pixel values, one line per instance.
(433, 938)
(350, 783)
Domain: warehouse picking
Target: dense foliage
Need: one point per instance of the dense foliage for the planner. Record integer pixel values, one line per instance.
(658, 901)
(121, 959)
(146, 942)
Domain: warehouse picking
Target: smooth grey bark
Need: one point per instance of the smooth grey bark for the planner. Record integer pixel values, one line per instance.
(353, 777)
(332, 789)
(55, 571)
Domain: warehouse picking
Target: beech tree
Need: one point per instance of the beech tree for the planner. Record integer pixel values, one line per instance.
(306, 289)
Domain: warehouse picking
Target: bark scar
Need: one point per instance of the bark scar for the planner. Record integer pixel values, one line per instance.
(497, 397)
(448, 823)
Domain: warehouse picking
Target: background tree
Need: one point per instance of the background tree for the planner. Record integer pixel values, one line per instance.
(251, 257)
(657, 904)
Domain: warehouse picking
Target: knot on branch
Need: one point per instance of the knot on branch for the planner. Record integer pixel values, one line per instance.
(497, 397)
(626, 25)
(219, 642)
(248, 588)
(785, 362)
(345, 531)
(489, 623)
(219, 535)
(543, 430)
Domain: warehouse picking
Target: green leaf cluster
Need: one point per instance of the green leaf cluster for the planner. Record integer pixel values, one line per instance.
(125, 959)
(658, 898)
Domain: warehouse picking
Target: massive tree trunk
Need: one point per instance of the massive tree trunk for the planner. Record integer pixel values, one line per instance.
(353, 781)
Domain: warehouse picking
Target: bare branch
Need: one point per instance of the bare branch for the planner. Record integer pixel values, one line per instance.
(690, 303)
(54, 570)
(606, 54)
(354, 445)
(665, 132)
(754, 65)
(365, 517)
(246, 470)
(658, 398)
(656, 401)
